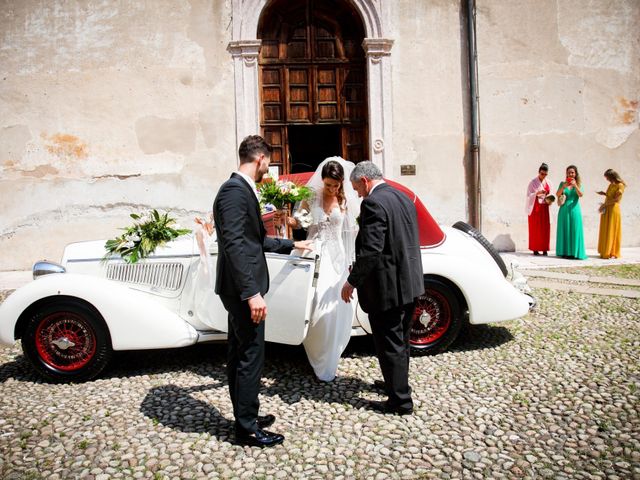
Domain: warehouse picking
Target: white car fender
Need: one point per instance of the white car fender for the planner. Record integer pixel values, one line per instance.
(136, 320)
(490, 296)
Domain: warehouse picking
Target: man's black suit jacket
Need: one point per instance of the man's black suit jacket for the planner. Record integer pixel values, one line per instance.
(388, 268)
(242, 271)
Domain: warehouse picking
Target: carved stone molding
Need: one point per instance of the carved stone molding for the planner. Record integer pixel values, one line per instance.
(376, 48)
(375, 15)
(378, 52)
(245, 48)
(245, 76)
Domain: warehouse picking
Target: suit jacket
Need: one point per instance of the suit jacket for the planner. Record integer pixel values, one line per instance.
(388, 268)
(242, 267)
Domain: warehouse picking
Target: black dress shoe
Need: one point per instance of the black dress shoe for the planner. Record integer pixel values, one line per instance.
(265, 421)
(384, 407)
(544, 254)
(259, 438)
(535, 252)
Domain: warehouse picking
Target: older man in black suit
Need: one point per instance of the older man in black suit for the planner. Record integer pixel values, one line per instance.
(388, 276)
(242, 280)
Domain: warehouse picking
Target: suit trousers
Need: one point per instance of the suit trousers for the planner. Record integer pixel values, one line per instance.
(391, 329)
(245, 360)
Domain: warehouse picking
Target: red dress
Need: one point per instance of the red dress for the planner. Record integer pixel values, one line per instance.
(539, 225)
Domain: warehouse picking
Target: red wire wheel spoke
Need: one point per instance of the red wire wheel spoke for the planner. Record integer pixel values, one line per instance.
(431, 318)
(65, 341)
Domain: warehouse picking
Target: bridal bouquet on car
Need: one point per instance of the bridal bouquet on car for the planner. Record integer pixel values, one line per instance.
(281, 194)
(148, 232)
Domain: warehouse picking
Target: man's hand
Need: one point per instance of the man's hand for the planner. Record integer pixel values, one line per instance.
(258, 308)
(347, 292)
(303, 245)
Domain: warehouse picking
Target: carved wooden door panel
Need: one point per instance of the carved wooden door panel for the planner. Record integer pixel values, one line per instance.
(312, 72)
(299, 97)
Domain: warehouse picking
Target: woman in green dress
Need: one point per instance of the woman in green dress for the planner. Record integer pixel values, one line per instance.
(570, 234)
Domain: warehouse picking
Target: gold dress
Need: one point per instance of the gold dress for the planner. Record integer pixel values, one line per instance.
(610, 235)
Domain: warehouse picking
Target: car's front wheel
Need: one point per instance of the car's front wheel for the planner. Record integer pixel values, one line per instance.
(67, 341)
(437, 319)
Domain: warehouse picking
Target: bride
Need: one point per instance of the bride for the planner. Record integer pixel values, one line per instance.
(333, 207)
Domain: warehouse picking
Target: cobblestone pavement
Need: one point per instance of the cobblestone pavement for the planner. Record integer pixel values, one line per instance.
(553, 395)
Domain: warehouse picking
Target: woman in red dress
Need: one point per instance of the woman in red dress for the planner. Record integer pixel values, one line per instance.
(538, 210)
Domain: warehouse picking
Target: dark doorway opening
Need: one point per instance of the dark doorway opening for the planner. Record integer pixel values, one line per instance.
(309, 145)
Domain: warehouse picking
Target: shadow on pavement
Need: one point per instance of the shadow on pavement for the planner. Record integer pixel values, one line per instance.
(175, 407)
(19, 369)
(481, 337)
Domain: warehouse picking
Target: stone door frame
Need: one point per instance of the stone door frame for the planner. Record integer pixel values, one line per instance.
(245, 47)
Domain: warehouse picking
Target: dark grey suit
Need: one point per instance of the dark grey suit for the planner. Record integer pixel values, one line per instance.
(242, 273)
(388, 276)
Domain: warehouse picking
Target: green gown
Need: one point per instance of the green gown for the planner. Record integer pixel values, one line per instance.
(570, 234)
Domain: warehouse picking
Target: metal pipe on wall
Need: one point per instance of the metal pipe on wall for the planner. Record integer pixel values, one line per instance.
(475, 216)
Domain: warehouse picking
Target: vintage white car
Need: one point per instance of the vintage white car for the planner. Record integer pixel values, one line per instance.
(75, 314)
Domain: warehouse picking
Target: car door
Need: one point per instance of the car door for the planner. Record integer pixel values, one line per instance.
(290, 297)
(289, 300)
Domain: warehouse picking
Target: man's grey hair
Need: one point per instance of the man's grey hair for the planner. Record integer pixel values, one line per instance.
(365, 169)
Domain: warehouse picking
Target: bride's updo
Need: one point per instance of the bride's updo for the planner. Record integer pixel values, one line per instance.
(334, 170)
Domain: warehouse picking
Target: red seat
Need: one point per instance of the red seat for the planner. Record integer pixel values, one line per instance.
(431, 234)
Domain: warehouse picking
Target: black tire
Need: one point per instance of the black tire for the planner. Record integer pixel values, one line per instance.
(437, 319)
(468, 229)
(67, 341)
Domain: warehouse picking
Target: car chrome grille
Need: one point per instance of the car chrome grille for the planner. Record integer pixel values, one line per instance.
(165, 276)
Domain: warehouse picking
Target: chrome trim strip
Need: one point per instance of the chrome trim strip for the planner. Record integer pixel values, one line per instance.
(191, 255)
(427, 247)
(116, 258)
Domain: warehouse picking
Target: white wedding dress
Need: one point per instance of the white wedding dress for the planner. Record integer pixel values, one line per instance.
(330, 326)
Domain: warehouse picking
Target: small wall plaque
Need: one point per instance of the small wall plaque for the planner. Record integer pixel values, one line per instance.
(407, 169)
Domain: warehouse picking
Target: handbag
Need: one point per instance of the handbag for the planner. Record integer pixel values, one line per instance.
(561, 199)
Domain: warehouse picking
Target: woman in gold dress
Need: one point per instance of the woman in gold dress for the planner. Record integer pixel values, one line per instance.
(610, 235)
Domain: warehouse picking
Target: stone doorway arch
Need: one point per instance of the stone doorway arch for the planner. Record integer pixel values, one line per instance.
(245, 47)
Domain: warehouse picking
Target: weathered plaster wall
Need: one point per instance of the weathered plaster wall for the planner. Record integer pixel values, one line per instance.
(559, 83)
(108, 107)
(428, 104)
(113, 106)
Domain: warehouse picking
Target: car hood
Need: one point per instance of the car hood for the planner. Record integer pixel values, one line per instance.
(94, 249)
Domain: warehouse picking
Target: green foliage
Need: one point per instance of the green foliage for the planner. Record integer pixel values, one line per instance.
(141, 239)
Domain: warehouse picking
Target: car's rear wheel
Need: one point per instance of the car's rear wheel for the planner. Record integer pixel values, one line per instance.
(437, 319)
(67, 341)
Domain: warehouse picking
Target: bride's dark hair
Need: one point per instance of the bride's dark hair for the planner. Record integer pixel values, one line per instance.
(334, 170)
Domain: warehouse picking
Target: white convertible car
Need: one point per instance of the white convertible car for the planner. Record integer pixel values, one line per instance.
(77, 313)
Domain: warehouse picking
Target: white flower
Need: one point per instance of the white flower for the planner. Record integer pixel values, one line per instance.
(303, 217)
(129, 244)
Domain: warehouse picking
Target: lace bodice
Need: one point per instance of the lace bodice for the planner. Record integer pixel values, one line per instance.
(326, 226)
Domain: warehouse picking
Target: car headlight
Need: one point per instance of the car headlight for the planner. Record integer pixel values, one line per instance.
(45, 268)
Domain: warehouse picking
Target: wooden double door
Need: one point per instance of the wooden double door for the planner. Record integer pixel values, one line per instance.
(313, 83)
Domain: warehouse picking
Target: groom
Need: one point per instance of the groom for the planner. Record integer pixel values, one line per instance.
(388, 275)
(242, 280)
